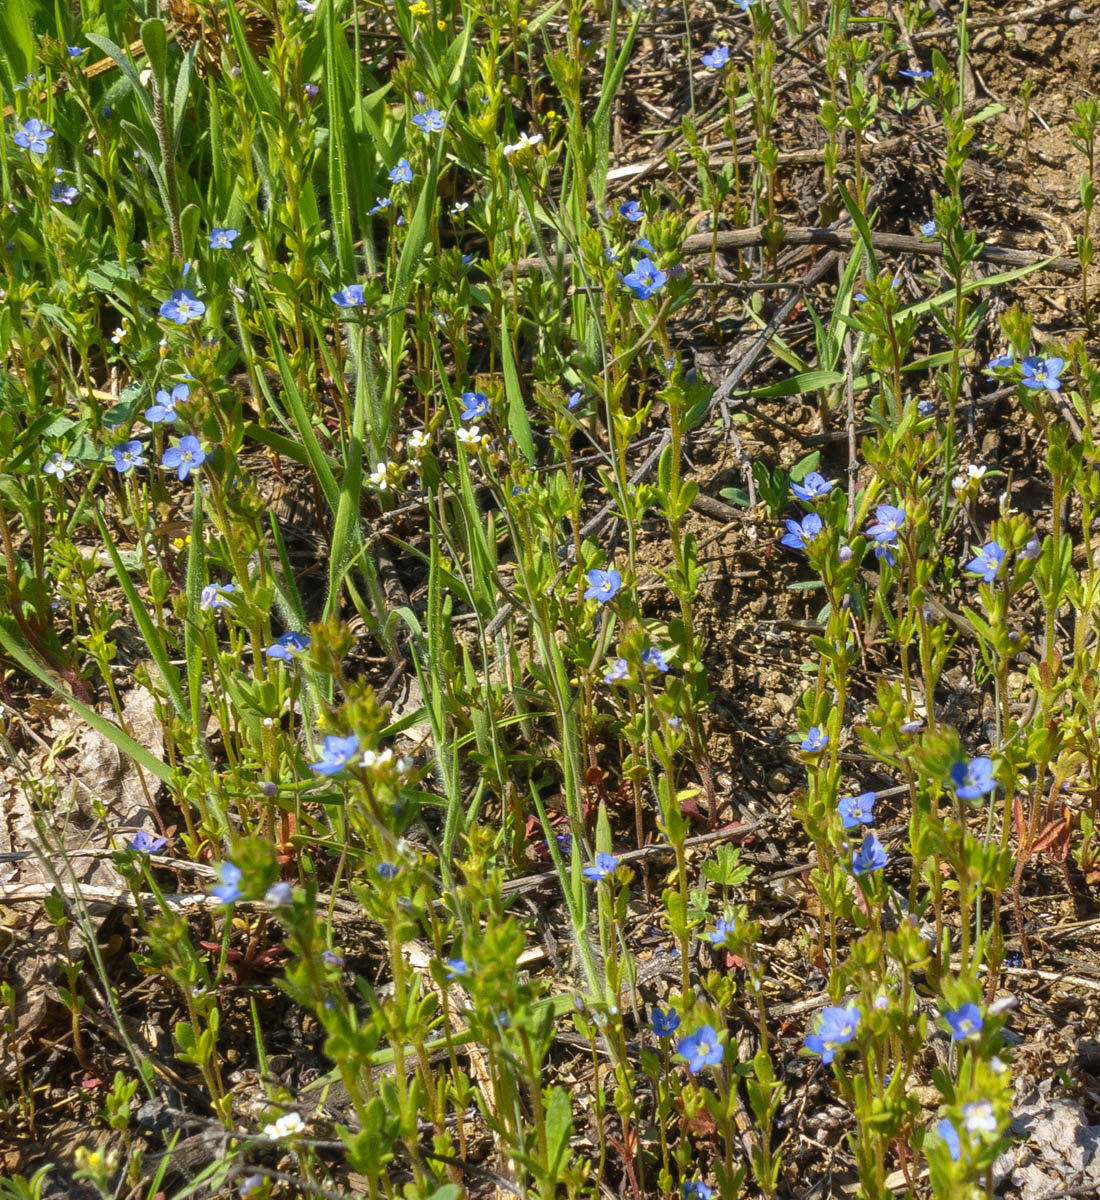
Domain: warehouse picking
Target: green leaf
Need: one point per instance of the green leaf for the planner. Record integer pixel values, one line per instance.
(154, 40)
(559, 1130)
(16, 38)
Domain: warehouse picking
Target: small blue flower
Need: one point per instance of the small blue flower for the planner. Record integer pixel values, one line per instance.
(619, 670)
(145, 843)
(965, 1021)
(127, 456)
(653, 657)
(602, 585)
(288, 646)
(456, 967)
(813, 487)
(700, 1049)
(385, 202)
(664, 1024)
(336, 754)
(386, 870)
(889, 520)
(63, 193)
(886, 550)
(630, 210)
(973, 779)
(799, 535)
(645, 279)
(722, 930)
(833, 1028)
(926, 408)
(76, 51)
(430, 121)
(182, 306)
(1042, 372)
(215, 596)
(869, 857)
(279, 895)
(988, 562)
(949, 1135)
(331, 959)
(402, 173)
(165, 407)
(33, 135)
(252, 1185)
(603, 867)
(477, 405)
(573, 399)
(223, 239)
(644, 244)
(695, 1189)
(186, 456)
(816, 739)
(349, 296)
(1000, 362)
(929, 228)
(857, 810)
(229, 888)
(565, 842)
(57, 465)
(909, 74)
(716, 58)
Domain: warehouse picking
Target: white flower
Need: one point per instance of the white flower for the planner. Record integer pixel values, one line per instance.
(524, 143)
(58, 465)
(459, 206)
(119, 335)
(380, 476)
(287, 1126)
(975, 471)
(979, 1118)
(419, 441)
(377, 762)
(469, 436)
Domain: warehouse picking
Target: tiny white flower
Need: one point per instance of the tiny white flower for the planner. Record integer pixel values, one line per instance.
(524, 143)
(469, 436)
(287, 1126)
(975, 471)
(958, 483)
(419, 441)
(978, 1117)
(1002, 1004)
(459, 206)
(119, 335)
(380, 476)
(377, 761)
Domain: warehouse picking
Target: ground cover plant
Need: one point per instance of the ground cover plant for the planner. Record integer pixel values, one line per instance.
(548, 638)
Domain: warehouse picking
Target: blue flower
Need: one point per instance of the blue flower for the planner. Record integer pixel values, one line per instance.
(186, 456)
(813, 487)
(721, 931)
(604, 866)
(926, 408)
(145, 843)
(477, 405)
(700, 1049)
(223, 239)
(215, 596)
(385, 202)
(182, 306)
(336, 754)
(889, 521)
(63, 193)
(988, 562)
(331, 959)
(565, 842)
(430, 121)
(973, 779)
(645, 279)
(965, 1021)
(816, 739)
(33, 135)
(799, 535)
(1000, 362)
(949, 1135)
(695, 1189)
(630, 210)
(252, 1185)
(127, 456)
(402, 173)
(229, 888)
(279, 895)
(869, 857)
(644, 244)
(716, 58)
(386, 870)
(165, 407)
(665, 1024)
(653, 657)
(857, 810)
(573, 399)
(909, 74)
(1042, 372)
(619, 669)
(886, 550)
(833, 1028)
(287, 646)
(76, 51)
(929, 228)
(349, 296)
(456, 967)
(602, 585)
